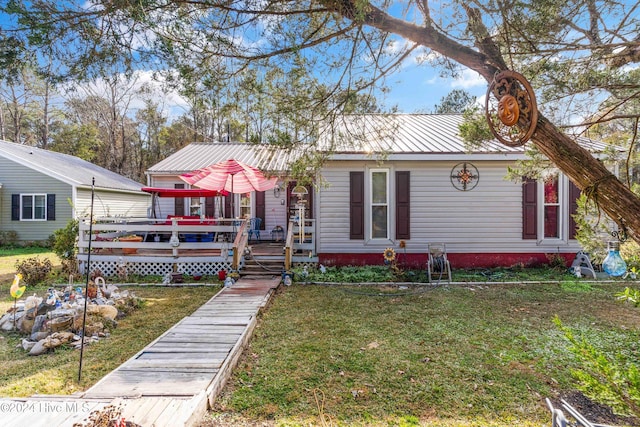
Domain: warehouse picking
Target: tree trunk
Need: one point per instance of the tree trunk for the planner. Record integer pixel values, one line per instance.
(591, 176)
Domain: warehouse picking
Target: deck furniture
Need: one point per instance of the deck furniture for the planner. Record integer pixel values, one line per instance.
(254, 227)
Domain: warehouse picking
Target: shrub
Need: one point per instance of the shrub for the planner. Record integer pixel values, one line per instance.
(34, 270)
(8, 238)
(556, 261)
(64, 244)
(612, 381)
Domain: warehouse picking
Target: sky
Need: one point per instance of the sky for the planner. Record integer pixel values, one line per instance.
(418, 88)
(414, 87)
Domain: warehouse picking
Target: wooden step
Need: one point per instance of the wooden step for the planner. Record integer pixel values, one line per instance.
(263, 266)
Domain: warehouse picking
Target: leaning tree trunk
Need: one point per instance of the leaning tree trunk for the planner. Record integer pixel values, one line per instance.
(588, 173)
(591, 176)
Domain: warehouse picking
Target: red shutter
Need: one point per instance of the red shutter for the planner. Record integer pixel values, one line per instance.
(574, 194)
(356, 205)
(403, 206)
(178, 202)
(530, 209)
(209, 207)
(260, 208)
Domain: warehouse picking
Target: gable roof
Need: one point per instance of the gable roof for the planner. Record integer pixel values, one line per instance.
(413, 134)
(201, 154)
(66, 168)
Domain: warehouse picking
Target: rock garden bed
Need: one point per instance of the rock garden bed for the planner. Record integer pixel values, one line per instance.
(56, 318)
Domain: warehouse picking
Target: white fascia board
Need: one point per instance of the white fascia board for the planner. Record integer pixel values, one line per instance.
(426, 157)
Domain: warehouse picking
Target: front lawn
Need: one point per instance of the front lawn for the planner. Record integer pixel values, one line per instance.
(57, 372)
(382, 273)
(463, 355)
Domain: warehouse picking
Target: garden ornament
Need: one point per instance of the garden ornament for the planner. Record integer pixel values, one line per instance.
(16, 292)
(510, 108)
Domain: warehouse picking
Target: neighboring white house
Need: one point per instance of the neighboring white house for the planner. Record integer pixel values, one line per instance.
(406, 178)
(41, 190)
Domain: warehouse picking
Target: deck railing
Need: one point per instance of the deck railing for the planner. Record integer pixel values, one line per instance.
(288, 248)
(176, 234)
(301, 239)
(239, 245)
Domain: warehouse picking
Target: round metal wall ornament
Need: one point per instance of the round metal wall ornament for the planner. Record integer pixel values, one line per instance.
(464, 176)
(510, 108)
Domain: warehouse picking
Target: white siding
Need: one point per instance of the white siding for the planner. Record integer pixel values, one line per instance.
(275, 213)
(109, 203)
(487, 219)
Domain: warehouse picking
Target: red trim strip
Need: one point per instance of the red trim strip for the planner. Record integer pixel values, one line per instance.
(457, 260)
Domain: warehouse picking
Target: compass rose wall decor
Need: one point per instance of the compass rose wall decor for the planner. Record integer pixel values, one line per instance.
(464, 176)
(511, 109)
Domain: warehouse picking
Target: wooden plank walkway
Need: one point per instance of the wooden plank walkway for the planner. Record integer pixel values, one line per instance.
(173, 380)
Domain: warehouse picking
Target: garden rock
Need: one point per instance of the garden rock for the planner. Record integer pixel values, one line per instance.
(39, 330)
(57, 318)
(107, 311)
(38, 349)
(7, 321)
(57, 339)
(26, 344)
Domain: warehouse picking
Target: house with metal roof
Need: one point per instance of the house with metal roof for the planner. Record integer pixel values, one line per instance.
(41, 190)
(270, 206)
(407, 180)
(402, 181)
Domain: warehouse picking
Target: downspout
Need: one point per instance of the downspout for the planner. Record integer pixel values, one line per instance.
(74, 200)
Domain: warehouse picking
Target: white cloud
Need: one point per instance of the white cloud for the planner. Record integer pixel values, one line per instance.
(468, 79)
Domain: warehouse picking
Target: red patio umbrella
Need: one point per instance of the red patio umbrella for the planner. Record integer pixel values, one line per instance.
(232, 176)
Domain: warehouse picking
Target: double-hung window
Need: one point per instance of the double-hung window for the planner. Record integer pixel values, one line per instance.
(379, 219)
(548, 206)
(33, 207)
(552, 212)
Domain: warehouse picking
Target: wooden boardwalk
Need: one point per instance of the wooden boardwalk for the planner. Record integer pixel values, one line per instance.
(173, 380)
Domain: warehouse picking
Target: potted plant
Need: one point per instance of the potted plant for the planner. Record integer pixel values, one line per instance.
(130, 238)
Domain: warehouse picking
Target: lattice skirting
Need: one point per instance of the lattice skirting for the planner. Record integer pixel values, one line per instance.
(310, 264)
(114, 267)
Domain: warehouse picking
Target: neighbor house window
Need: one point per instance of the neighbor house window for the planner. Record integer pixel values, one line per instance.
(33, 207)
(379, 204)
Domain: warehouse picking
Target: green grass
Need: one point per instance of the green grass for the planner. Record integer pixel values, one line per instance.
(57, 373)
(381, 273)
(447, 356)
(10, 256)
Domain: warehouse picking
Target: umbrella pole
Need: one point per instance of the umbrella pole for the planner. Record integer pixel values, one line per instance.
(233, 208)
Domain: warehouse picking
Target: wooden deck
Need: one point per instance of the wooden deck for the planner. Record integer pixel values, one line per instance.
(173, 380)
